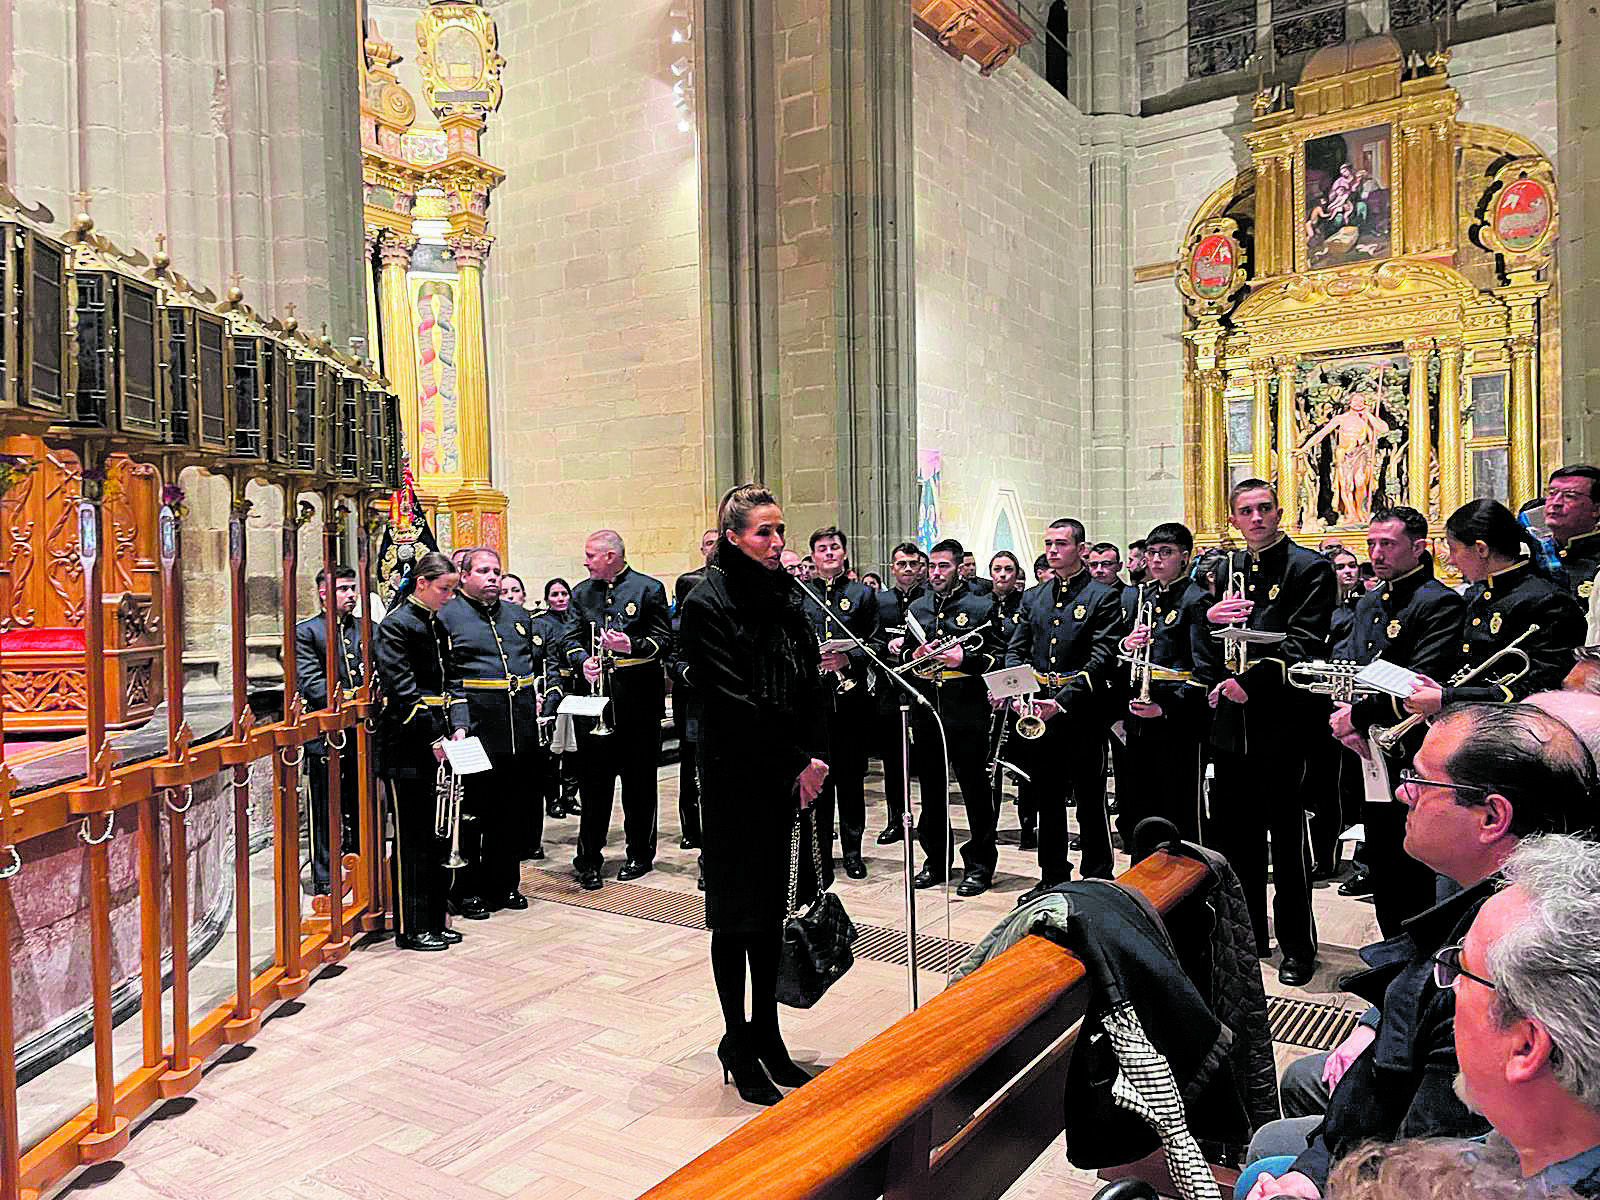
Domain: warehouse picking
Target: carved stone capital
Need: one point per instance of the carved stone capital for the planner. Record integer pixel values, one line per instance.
(470, 249)
(394, 249)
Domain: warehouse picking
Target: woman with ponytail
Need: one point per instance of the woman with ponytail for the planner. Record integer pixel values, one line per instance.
(748, 650)
(1509, 590)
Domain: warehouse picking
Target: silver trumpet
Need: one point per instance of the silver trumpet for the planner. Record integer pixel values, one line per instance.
(447, 793)
(928, 666)
(1237, 639)
(1331, 677)
(1139, 659)
(601, 729)
(1030, 725)
(1384, 740)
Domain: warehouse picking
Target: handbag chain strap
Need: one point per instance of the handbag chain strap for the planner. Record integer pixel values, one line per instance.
(794, 856)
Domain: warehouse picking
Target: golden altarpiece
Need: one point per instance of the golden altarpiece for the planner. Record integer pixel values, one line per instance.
(1369, 304)
(426, 201)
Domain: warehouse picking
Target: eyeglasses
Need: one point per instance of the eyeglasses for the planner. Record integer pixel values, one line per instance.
(1409, 778)
(1447, 969)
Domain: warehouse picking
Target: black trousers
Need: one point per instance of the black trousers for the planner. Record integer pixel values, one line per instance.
(887, 739)
(965, 720)
(502, 809)
(416, 865)
(1324, 766)
(1258, 797)
(1159, 776)
(844, 793)
(317, 777)
(688, 777)
(631, 754)
(1117, 756)
(1070, 761)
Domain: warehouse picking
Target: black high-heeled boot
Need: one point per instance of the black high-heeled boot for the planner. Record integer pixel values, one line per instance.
(774, 1056)
(737, 1061)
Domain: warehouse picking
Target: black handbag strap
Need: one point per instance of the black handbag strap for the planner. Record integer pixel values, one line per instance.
(794, 856)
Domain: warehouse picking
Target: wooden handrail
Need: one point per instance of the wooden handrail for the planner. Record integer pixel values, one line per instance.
(866, 1127)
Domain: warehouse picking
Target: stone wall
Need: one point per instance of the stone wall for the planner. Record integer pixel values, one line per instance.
(593, 294)
(1003, 387)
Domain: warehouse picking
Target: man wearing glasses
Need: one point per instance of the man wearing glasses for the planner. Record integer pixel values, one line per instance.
(1486, 777)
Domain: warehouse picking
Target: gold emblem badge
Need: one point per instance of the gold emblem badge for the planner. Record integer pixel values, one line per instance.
(631, 609)
(1393, 630)
(537, 640)
(520, 630)
(1172, 616)
(1080, 612)
(1585, 588)
(961, 620)
(844, 603)
(1494, 623)
(1272, 594)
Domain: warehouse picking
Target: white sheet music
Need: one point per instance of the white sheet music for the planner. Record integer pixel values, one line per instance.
(467, 756)
(1388, 677)
(583, 706)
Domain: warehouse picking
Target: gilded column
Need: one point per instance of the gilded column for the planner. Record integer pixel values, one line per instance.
(1419, 455)
(1409, 187)
(472, 382)
(1261, 420)
(1288, 442)
(370, 294)
(1452, 467)
(1524, 423)
(1266, 264)
(399, 332)
(1443, 199)
(1211, 450)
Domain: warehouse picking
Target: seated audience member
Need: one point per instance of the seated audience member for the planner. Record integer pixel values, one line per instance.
(1585, 673)
(1526, 981)
(1580, 710)
(1432, 1169)
(1485, 777)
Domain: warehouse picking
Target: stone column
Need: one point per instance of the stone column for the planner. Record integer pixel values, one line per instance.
(399, 332)
(1107, 486)
(1524, 422)
(1419, 453)
(472, 382)
(370, 246)
(1288, 442)
(1578, 180)
(1261, 420)
(1452, 468)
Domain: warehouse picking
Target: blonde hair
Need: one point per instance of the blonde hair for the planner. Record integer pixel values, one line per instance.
(733, 512)
(1433, 1169)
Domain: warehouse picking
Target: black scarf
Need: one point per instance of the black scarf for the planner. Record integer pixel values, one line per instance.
(769, 604)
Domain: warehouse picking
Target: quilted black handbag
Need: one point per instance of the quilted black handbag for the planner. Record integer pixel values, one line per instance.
(816, 943)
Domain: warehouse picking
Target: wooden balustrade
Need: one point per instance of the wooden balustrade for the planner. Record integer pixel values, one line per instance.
(954, 1100)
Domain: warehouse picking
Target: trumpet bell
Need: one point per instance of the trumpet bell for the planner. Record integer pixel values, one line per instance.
(454, 861)
(1030, 727)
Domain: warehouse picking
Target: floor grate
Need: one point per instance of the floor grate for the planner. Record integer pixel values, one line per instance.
(1303, 1023)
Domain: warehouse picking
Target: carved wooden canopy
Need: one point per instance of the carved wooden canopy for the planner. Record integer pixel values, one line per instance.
(986, 31)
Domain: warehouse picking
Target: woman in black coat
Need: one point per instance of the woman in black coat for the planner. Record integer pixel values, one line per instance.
(750, 654)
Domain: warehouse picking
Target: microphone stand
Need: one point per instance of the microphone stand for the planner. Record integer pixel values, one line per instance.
(908, 825)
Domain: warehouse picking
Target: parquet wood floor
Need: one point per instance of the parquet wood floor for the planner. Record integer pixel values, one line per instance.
(556, 1054)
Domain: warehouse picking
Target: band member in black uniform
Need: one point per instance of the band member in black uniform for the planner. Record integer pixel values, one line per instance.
(1005, 572)
(626, 612)
(1068, 635)
(1262, 726)
(1333, 793)
(688, 782)
(1104, 561)
(948, 610)
(1163, 760)
(905, 570)
(1412, 620)
(1506, 596)
(311, 681)
(509, 681)
(750, 655)
(1347, 578)
(1572, 514)
(1138, 563)
(552, 628)
(969, 573)
(410, 650)
(847, 677)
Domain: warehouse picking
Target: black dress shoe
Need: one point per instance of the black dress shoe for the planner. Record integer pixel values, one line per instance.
(1075, 842)
(927, 878)
(892, 833)
(1297, 972)
(633, 868)
(535, 855)
(854, 867)
(700, 881)
(973, 883)
(515, 900)
(420, 941)
(450, 936)
(589, 880)
(688, 843)
(1029, 839)
(1359, 884)
(554, 810)
(1036, 891)
(474, 909)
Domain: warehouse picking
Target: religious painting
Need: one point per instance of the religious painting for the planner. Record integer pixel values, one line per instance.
(1212, 266)
(436, 377)
(1351, 414)
(1347, 190)
(1522, 214)
(929, 466)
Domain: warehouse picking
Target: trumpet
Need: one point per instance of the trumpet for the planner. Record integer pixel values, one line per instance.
(1387, 739)
(1139, 659)
(928, 666)
(1236, 639)
(1331, 677)
(1030, 725)
(447, 793)
(601, 729)
(842, 683)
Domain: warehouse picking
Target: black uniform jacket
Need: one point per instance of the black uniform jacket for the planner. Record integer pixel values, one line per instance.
(1580, 558)
(411, 653)
(1402, 1085)
(681, 588)
(507, 678)
(1068, 632)
(636, 605)
(892, 606)
(854, 606)
(1413, 621)
(1340, 624)
(550, 631)
(1008, 611)
(1500, 609)
(1178, 607)
(1294, 590)
(311, 664)
(959, 691)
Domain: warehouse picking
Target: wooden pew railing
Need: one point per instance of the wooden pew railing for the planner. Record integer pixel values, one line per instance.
(954, 1101)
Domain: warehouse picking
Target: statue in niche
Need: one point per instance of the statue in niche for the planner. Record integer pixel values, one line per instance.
(1355, 429)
